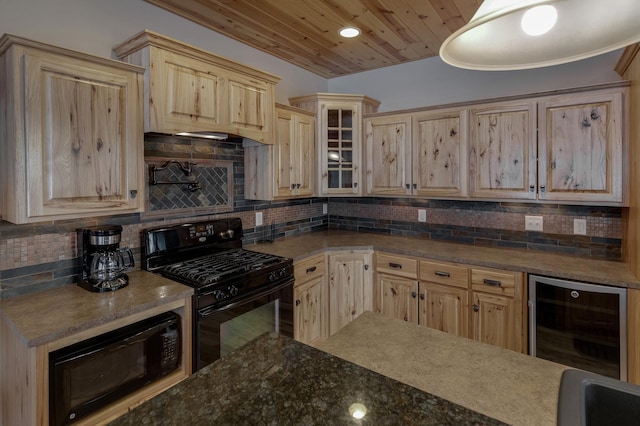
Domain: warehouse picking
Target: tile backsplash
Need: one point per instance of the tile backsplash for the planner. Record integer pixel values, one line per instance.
(39, 256)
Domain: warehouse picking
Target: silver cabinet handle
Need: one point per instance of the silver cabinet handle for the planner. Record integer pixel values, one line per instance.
(542, 188)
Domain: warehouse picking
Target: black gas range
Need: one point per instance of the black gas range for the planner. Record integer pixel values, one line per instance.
(239, 294)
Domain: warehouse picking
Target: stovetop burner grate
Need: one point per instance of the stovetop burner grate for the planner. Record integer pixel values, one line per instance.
(217, 267)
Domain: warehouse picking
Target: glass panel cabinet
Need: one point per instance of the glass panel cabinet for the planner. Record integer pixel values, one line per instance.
(339, 139)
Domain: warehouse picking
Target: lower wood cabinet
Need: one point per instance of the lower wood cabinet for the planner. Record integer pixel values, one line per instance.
(350, 287)
(497, 316)
(480, 303)
(311, 306)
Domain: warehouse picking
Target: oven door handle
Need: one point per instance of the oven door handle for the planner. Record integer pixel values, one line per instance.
(205, 312)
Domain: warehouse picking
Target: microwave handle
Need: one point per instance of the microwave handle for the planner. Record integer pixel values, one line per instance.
(205, 312)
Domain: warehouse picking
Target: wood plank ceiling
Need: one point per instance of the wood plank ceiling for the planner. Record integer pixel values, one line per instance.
(305, 32)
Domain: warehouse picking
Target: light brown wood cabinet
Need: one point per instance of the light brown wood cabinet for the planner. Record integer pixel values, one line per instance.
(285, 169)
(502, 151)
(498, 314)
(580, 147)
(311, 306)
(350, 287)
(188, 89)
(563, 148)
(71, 139)
(339, 140)
(420, 154)
(480, 303)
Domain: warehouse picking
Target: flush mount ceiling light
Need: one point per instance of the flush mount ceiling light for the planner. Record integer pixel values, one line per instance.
(521, 34)
(349, 32)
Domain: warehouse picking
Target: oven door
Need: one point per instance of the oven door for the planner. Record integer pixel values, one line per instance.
(219, 330)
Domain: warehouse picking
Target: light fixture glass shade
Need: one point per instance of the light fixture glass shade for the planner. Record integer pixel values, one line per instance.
(494, 39)
(349, 32)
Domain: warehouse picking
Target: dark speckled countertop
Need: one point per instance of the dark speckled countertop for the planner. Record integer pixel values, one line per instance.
(274, 380)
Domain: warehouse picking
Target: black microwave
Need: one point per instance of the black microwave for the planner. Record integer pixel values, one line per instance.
(94, 373)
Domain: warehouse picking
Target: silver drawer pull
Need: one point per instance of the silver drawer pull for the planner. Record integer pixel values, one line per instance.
(395, 265)
(495, 283)
(443, 274)
(312, 269)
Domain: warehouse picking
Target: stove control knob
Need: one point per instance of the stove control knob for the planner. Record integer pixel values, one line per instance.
(282, 273)
(233, 290)
(219, 295)
(272, 276)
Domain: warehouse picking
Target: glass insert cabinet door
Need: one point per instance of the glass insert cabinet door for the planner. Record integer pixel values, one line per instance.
(340, 168)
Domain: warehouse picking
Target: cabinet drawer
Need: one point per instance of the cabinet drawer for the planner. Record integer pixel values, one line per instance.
(444, 273)
(308, 269)
(397, 265)
(494, 281)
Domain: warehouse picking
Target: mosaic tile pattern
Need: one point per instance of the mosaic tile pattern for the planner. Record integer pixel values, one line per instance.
(486, 224)
(215, 192)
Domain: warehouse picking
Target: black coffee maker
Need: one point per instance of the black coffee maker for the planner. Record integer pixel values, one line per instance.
(103, 262)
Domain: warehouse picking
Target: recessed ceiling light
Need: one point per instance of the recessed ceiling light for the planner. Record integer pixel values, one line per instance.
(349, 32)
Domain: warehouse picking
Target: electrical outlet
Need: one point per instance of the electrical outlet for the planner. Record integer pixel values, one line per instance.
(324, 208)
(258, 218)
(533, 223)
(422, 215)
(580, 226)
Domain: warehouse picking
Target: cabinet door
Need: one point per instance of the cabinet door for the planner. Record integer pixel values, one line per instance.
(580, 146)
(440, 154)
(494, 321)
(249, 106)
(185, 94)
(304, 133)
(388, 155)
(444, 308)
(397, 297)
(285, 154)
(83, 138)
(310, 321)
(340, 150)
(350, 288)
(502, 154)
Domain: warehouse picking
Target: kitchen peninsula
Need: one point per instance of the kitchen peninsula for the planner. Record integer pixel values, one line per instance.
(274, 380)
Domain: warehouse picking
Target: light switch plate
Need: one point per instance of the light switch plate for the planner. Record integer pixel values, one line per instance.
(324, 208)
(422, 215)
(258, 218)
(580, 226)
(533, 223)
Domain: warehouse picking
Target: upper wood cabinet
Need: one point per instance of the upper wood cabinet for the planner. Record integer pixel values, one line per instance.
(502, 152)
(285, 169)
(72, 139)
(580, 147)
(422, 154)
(188, 89)
(562, 148)
(339, 140)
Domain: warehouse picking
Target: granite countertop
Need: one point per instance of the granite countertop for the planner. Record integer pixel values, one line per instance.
(49, 315)
(511, 387)
(274, 380)
(551, 264)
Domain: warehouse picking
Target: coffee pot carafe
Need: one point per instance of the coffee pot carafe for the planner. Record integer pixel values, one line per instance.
(103, 262)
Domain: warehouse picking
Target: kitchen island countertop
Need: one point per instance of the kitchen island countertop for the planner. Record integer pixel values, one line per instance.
(533, 262)
(274, 380)
(402, 373)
